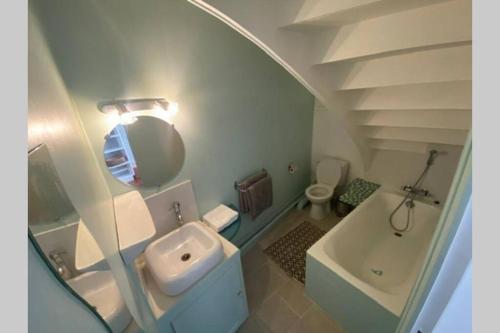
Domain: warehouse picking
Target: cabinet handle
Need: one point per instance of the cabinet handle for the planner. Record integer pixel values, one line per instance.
(239, 293)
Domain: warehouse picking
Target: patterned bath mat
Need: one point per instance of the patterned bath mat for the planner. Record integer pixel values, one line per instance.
(289, 251)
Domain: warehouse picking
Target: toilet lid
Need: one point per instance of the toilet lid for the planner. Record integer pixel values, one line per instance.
(328, 172)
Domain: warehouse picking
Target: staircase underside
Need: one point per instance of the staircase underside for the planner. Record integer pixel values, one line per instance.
(393, 74)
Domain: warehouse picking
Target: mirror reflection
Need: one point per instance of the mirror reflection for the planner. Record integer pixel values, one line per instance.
(147, 152)
(55, 226)
(48, 205)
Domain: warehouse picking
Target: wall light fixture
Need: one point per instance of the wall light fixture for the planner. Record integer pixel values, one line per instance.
(128, 109)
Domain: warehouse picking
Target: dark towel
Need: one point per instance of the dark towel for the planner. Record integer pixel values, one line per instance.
(260, 196)
(243, 190)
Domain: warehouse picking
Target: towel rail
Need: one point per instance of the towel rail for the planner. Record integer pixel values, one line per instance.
(237, 185)
(237, 188)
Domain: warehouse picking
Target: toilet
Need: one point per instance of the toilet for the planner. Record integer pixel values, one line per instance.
(330, 172)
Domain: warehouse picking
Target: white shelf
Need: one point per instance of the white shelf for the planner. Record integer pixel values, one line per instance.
(119, 165)
(112, 150)
(123, 171)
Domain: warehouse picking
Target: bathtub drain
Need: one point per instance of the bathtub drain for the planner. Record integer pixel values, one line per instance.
(377, 271)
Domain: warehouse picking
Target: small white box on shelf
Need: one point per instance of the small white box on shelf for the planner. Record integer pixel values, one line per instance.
(220, 217)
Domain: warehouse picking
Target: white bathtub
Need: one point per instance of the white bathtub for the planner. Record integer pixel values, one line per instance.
(341, 267)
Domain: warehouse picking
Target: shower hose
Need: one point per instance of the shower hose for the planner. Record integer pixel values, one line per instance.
(410, 196)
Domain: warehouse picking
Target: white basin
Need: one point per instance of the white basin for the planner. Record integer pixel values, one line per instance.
(182, 257)
(99, 289)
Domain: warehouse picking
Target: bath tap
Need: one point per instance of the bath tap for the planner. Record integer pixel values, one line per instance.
(416, 191)
(178, 215)
(413, 191)
(60, 265)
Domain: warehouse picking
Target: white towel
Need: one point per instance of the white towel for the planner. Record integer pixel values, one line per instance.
(220, 217)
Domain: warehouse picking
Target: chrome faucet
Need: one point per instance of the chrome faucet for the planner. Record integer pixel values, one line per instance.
(178, 215)
(416, 191)
(60, 265)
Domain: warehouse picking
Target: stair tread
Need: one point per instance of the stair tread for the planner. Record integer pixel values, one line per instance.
(447, 119)
(430, 26)
(428, 66)
(426, 135)
(335, 13)
(416, 147)
(367, 73)
(454, 95)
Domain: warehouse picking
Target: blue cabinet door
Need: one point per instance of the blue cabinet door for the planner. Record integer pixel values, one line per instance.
(222, 309)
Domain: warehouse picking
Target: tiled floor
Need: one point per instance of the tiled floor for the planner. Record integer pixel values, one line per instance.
(278, 303)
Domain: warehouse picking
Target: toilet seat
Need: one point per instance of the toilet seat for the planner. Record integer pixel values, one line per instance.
(329, 172)
(319, 192)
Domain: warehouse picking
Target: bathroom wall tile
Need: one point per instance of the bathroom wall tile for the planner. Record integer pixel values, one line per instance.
(277, 314)
(293, 293)
(315, 320)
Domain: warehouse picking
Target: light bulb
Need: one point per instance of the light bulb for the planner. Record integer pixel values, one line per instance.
(173, 108)
(127, 118)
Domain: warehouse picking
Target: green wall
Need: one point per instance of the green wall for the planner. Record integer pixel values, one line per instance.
(239, 110)
(53, 121)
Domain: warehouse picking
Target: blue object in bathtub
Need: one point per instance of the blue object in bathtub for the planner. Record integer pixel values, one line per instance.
(357, 191)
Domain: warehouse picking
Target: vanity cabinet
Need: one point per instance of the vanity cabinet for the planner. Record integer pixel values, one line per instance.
(215, 304)
(221, 309)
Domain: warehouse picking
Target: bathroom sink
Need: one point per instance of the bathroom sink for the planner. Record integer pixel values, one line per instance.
(182, 257)
(100, 290)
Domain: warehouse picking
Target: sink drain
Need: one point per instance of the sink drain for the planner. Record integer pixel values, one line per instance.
(185, 256)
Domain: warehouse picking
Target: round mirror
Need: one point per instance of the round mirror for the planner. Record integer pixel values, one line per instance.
(147, 152)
